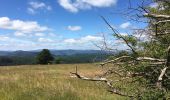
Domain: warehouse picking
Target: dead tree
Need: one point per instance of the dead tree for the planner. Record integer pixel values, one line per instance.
(126, 66)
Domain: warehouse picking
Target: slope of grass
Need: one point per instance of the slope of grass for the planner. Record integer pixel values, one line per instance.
(51, 82)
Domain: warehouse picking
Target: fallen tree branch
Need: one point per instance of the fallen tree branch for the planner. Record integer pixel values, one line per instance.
(163, 21)
(150, 59)
(108, 82)
(162, 74)
(160, 78)
(115, 60)
(163, 71)
(89, 79)
(136, 59)
(156, 16)
(111, 71)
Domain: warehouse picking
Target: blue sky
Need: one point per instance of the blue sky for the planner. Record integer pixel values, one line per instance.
(59, 24)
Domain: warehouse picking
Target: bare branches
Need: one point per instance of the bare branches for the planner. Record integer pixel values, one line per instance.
(111, 71)
(119, 36)
(89, 79)
(135, 59)
(150, 59)
(168, 57)
(108, 82)
(160, 78)
(139, 65)
(162, 74)
(116, 91)
(156, 16)
(163, 71)
(163, 21)
(116, 60)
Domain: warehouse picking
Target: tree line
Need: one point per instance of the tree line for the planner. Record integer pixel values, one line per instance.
(45, 54)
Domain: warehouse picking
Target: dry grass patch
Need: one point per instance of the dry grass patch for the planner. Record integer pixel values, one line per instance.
(51, 82)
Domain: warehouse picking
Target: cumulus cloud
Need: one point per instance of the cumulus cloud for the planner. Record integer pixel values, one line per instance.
(31, 10)
(100, 3)
(82, 40)
(4, 38)
(75, 6)
(125, 25)
(21, 27)
(68, 5)
(45, 40)
(74, 28)
(19, 34)
(34, 6)
(153, 5)
(70, 41)
(124, 34)
(39, 34)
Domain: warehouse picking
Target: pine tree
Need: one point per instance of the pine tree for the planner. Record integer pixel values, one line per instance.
(44, 57)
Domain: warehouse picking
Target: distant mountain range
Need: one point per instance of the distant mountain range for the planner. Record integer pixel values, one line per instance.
(69, 52)
(66, 56)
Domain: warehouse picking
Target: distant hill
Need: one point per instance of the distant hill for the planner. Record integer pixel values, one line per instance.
(54, 52)
(68, 56)
(74, 52)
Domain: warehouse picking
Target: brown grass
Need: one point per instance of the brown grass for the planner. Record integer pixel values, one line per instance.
(51, 82)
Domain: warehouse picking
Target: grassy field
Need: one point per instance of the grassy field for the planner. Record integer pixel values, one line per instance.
(51, 82)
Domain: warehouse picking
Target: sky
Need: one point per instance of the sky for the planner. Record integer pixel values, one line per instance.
(60, 24)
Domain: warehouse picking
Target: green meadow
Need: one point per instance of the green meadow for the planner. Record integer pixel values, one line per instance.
(52, 82)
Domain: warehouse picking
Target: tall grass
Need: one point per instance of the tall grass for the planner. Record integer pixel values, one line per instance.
(51, 82)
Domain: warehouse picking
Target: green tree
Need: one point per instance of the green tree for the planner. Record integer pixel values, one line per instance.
(58, 60)
(44, 57)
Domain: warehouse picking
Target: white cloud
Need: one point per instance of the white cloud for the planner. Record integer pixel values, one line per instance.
(19, 34)
(21, 27)
(70, 41)
(125, 25)
(39, 34)
(52, 34)
(100, 3)
(82, 40)
(31, 11)
(75, 6)
(118, 42)
(153, 5)
(34, 6)
(124, 34)
(74, 28)
(90, 38)
(26, 43)
(143, 35)
(45, 40)
(68, 5)
(37, 5)
(4, 38)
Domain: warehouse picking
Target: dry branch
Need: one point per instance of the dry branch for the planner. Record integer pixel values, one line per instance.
(156, 16)
(119, 35)
(116, 60)
(108, 82)
(160, 78)
(135, 59)
(150, 59)
(89, 79)
(163, 21)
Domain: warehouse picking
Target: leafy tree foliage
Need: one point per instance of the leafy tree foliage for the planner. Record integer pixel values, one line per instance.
(58, 60)
(44, 57)
(5, 61)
